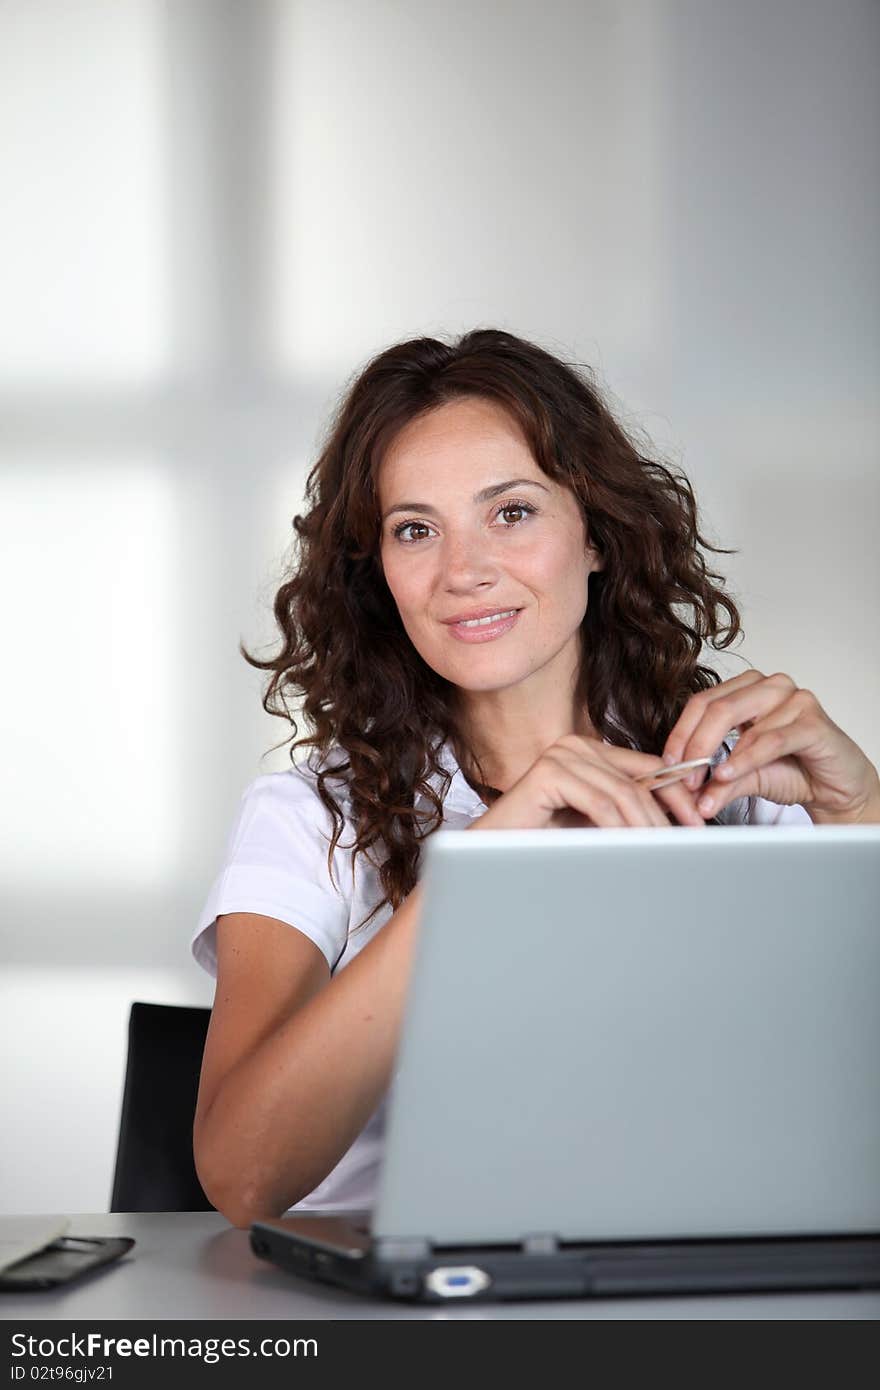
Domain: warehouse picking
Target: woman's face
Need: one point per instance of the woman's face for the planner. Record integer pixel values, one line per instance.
(472, 526)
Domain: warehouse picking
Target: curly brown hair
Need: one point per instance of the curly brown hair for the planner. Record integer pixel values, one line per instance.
(366, 689)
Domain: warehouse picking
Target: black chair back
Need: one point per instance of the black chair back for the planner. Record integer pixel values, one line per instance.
(155, 1169)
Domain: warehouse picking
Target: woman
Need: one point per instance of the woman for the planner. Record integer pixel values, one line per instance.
(495, 617)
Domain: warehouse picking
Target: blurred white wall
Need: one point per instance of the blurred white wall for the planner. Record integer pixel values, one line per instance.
(212, 213)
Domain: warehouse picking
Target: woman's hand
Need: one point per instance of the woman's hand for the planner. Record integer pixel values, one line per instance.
(789, 751)
(581, 781)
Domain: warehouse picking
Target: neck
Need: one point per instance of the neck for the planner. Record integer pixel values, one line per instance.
(509, 728)
(515, 745)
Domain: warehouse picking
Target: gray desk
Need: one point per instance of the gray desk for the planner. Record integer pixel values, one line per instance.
(195, 1265)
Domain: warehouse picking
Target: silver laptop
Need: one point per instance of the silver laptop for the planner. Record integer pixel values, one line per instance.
(632, 1061)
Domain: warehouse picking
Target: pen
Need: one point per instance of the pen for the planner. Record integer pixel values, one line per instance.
(665, 776)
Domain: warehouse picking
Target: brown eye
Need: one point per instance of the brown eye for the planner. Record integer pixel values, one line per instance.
(408, 526)
(525, 507)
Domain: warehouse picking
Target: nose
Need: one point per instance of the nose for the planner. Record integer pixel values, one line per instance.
(467, 563)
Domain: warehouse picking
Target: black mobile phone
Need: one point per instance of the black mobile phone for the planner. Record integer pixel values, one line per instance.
(66, 1259)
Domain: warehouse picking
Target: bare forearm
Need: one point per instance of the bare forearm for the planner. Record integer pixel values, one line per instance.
(288, 1112)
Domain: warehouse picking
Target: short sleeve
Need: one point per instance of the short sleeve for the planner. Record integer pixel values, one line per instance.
(754, 810)
(763, 812)
(275, 864)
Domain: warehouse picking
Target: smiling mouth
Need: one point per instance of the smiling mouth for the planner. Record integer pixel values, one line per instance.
(489, 629)
(487, 621)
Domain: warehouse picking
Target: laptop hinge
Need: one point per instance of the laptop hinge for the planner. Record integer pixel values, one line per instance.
(540, 1244)
(408, 1249)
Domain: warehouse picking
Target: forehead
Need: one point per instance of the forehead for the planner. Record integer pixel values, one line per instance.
(473, 433)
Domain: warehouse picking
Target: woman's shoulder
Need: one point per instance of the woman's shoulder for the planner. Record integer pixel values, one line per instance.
(283, 815)
(298, 785)
(294, 793)
(276, 864)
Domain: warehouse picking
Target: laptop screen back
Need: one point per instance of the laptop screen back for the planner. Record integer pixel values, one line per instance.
(638, 1034)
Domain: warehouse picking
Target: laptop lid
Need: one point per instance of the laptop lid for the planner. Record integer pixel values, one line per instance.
(640, 1034)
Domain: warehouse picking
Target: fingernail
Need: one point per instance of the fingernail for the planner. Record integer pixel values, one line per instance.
(706, 805)
(669, 759)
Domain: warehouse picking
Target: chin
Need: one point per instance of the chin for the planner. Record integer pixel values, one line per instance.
(491, 680)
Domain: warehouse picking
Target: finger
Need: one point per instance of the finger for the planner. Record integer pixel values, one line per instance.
(633, 804)
(754, 751)
(772, 746)
(713, 800)
(691, 715)
(657, 815)
(591, 801)
(681, 802)
(738, 709)
(679, 772)
(629, 760)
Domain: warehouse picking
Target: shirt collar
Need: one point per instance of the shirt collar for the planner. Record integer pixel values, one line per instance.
(461, 795)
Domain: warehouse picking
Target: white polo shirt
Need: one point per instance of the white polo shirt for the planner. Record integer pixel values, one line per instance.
(275, 864)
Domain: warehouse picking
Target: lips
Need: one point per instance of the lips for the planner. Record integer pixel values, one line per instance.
(485, 632)
(481, 613)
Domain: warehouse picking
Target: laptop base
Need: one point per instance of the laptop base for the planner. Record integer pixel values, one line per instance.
(337, 1250)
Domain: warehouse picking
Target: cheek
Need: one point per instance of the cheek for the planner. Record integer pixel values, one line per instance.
(402, 580)
(554, 576)
(553, 567)
(387, 561)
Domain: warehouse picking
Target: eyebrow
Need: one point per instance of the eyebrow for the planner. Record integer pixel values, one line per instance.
(485, 495)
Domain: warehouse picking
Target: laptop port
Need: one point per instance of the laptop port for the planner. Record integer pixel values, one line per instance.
(457, 1281)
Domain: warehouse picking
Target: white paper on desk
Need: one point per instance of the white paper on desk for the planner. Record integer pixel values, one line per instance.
(21, 1236)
